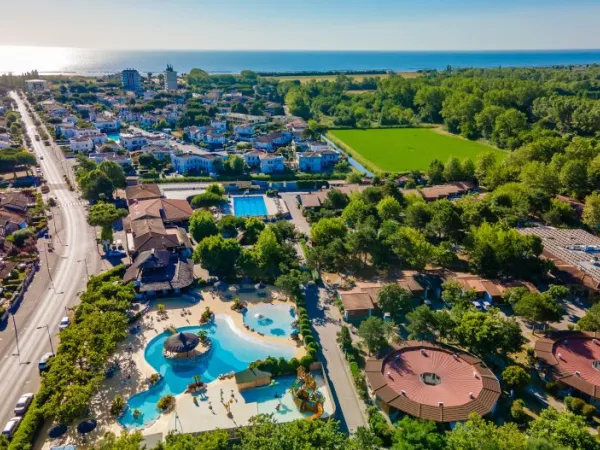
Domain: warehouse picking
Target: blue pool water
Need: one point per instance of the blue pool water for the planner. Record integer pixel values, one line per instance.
(249, 206)
(231, 351)
(274, 319)
(116, 137)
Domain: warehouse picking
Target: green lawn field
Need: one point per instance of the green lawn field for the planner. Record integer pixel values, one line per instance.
(405, 149)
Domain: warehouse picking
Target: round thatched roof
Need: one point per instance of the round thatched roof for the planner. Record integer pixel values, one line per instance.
(181, 343)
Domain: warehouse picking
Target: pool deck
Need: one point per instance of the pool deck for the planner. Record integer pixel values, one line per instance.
(135, 370)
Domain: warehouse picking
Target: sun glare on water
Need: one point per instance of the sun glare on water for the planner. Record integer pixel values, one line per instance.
(20, 59)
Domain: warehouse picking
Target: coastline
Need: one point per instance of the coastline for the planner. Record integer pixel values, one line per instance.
(56, 61)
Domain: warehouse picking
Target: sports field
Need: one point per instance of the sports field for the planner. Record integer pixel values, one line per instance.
(405, 149)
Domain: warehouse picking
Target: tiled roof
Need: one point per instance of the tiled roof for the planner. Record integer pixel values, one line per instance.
(142, 191)
(161, 208)
(465, 384)
(356, 301)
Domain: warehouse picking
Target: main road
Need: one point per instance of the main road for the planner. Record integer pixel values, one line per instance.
(48, 296)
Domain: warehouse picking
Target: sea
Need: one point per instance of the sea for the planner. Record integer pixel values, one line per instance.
(92, 62)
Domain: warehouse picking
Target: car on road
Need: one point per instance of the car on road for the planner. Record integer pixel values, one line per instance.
(37, 137)
(11, 427)
(43, 362)
(23, 404)
(64, 323)
(41, 157)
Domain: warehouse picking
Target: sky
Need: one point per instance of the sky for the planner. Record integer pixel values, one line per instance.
(305, 24)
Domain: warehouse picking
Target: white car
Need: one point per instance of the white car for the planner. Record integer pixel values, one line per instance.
(23, 404)
(11, 427)
(64, 323)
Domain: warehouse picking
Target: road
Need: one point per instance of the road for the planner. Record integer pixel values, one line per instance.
(45, 301)
(350, 409)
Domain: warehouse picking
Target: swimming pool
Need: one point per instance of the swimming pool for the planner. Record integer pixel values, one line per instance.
(115, 137)
(268, 319)
(231, 351)
(249, 206)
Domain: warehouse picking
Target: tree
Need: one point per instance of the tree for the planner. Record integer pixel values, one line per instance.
(290, 282)
(539, 307)
(356, 212)
(417, 434)
(430, 99)
(202, 224)
(426, 324)
(268, 253)
(435, 171)
(335, 200)
(394, 299)
(411, 247)
(235, 164)
(454, 294)
(114, 172)
(479, 434)
(484, 167)
(126, 441)
(486, 120)
(389, 209)
(218, 255)
(372, 332)
(453, 170)
(417, 215)
(508, 127)
(445, 221)
(105, 215)
(591, 320)
(95, 185)
(327, 230)
(564, 428)
(212, 440)
(574, 178)
(516, 378)
(253, 227)
(591, 212)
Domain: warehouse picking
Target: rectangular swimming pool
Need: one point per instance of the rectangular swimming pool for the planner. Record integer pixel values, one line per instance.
(249, 206)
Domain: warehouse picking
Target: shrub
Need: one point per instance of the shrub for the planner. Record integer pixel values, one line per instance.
(166, 403)
(117, 406)
(516, 377)
(309, 339)
(574, 404)
(517, 411)
(588, 411)
(380, 426)
(551, 386)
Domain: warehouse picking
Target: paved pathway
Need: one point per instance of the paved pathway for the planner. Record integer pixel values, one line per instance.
(350, 409)
(297, 217)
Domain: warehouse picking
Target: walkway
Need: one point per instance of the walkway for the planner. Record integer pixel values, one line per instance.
(297, 218)
(325, 322)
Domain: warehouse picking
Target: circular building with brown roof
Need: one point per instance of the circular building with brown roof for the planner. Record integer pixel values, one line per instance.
(572, 358)
(433, 382)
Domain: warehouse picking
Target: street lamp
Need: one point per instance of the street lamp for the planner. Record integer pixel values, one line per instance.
(49, 337)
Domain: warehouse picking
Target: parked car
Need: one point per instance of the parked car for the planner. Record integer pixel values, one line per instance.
(43, 363)
(477, 305)
(11, 427)
(64, 323)
(23, 404)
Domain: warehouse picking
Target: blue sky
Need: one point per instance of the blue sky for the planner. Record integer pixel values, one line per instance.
(307, 24)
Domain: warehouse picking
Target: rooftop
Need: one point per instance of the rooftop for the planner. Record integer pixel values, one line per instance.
(433, 382)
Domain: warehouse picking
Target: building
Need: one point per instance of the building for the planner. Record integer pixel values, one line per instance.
(131, 80)
(133, 141)
(431, 381)
(148, 234)
(450, 190)
(170, 79)
(252, 378)
(122, 160)
(107, 124)
(252, 158)
(81, 144)
(168, 210)
(572, 359)
(271, 141)
(32, 86)
(271, 163)
(158, 151)
(575, 254)
(244, 131)
(140, 192)
(184, 163)
(361, 301)
(160, 272)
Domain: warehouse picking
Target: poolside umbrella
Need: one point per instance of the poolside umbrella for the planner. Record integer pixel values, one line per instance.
(57, 431)
(181, 343)
(86, 426)
(233, 289)
(259, 286)
(220, 285)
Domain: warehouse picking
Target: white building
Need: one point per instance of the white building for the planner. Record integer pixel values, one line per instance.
(158, 151)
(243, 118)
(85, 132)
(316, 161)
(157, 139)
(252, 158)
(66, 130)
(133, 141)
(131, 80)
(219, 125)
(98, 139)
(184, 163)
(107, 124)
(122, 160)
(214, 137)
(81, 144)
(244, 131)
(273, 140)
(36, 85)
(170, 79)
(271, 163)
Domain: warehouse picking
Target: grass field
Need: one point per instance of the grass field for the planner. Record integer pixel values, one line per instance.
(306, 78)
(405, 149)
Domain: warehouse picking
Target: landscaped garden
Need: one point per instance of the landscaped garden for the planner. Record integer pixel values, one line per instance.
(405, 149)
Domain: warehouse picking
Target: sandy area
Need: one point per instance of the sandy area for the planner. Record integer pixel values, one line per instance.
(135, 370)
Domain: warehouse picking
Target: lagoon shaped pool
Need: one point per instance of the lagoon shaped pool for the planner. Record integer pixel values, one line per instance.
(274, 320)
(232, 351)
